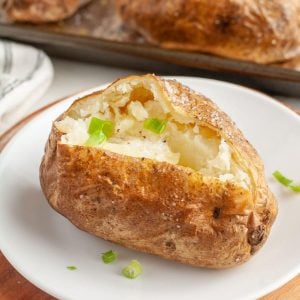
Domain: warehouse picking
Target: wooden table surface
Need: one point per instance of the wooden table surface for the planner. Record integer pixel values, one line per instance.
(13, 286)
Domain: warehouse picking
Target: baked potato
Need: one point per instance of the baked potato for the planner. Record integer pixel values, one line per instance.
(40, 11)
(261, 31)
(154, 166)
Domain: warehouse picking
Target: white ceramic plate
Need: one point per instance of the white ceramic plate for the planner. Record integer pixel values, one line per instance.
(40, 243)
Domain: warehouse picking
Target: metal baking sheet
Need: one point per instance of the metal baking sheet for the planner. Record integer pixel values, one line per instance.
(96, 34)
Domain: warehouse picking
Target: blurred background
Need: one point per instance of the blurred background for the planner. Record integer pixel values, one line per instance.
(51, 49)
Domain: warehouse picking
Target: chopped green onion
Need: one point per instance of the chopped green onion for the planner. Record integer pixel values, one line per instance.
(286, 182)
(109, 256)
(97, 125)
(282, 179)
(99, 130)
(155, 125)
(96, 138)
(133, 270)
(295, 188)
(108, 128)
(71, 268)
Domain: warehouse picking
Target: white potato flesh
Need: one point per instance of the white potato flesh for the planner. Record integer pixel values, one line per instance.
(183, 142)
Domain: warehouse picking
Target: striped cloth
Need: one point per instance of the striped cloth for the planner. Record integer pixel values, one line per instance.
(25, 75)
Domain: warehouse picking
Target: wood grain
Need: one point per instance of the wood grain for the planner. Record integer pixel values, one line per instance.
(14, 286)
(290, 291)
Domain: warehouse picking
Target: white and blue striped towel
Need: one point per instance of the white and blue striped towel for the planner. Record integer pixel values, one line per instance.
(25, 75)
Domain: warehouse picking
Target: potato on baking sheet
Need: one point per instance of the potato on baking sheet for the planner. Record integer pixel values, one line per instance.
(40, 11)
(260, 31)
(154, 166)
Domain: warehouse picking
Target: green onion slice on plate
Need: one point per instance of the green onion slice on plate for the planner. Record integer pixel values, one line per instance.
(295, 188)
(282, 179)
(286, 182)
(109, 256)
(132, 270)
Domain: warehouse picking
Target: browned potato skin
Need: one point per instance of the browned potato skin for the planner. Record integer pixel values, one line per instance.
(261, 31)
(157, 207)
(40, 11)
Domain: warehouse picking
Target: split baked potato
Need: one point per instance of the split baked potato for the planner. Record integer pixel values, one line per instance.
(154, 166)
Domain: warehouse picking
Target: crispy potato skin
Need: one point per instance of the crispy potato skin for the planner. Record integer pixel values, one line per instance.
(262, 31)
(157, 207)
(41, 11)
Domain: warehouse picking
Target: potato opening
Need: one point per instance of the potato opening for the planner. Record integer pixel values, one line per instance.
(128, 106)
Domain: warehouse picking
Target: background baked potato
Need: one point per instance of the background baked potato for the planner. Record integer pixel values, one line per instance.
(40, 11)
(261, 31)
(193, 191)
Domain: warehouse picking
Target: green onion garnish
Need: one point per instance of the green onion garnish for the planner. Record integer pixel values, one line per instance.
(95, 139)
(295, 188)
(282, 179)
(97, 125)
(133, 270)
(155, 125)
(99, 131)
(286, 182)
(109, 256)
(71, 268)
